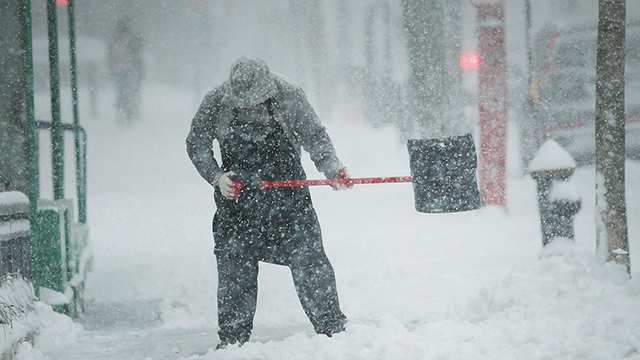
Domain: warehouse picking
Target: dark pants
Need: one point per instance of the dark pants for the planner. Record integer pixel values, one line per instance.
(313, 278)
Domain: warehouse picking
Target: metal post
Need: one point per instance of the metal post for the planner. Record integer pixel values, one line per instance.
(82, 198)
(34, 189)
(492, 101)
(57, 136)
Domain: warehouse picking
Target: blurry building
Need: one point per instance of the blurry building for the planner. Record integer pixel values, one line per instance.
(13, 145)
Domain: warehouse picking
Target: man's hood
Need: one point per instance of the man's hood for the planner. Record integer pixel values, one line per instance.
(250, 83)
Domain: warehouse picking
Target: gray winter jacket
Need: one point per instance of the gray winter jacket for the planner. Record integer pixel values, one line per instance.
(292, 111)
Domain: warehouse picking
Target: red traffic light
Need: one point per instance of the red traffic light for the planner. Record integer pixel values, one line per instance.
(470, 61)
(62, 3)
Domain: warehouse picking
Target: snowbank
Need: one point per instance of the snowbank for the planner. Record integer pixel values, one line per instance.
(53, 330)
(18, 316)
(564, 307)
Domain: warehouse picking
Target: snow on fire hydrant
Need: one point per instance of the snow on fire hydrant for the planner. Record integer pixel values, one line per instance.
(558, 200)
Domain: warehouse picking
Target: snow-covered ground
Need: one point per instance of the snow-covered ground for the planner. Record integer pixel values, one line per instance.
(414, 286)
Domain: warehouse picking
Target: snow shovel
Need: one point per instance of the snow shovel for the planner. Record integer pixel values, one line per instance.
(443, 173)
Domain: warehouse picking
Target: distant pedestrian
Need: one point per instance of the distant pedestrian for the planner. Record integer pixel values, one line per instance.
(261, 121)
(126, 66)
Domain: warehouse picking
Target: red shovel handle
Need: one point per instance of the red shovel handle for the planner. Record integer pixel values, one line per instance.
(301, 183)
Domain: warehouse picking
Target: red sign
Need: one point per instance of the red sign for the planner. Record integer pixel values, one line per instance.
(492, 99)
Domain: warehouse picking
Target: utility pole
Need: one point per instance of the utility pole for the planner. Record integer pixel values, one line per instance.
(529, 118)
(611, 210)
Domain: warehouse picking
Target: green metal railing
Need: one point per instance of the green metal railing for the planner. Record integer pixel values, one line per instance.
(56, 125)
(58, 244)
(81, 170)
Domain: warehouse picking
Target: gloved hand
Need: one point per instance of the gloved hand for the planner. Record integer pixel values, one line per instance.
(249, 180)
(230, 189)
(342, 180)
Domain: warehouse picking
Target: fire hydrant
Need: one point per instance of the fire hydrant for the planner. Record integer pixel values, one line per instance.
(558, 200)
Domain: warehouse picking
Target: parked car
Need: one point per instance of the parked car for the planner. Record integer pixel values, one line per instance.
(564, 92)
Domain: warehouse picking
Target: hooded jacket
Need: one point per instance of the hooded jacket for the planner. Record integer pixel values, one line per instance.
(251, 83)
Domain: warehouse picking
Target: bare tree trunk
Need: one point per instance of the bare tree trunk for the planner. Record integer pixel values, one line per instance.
(611, 212)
